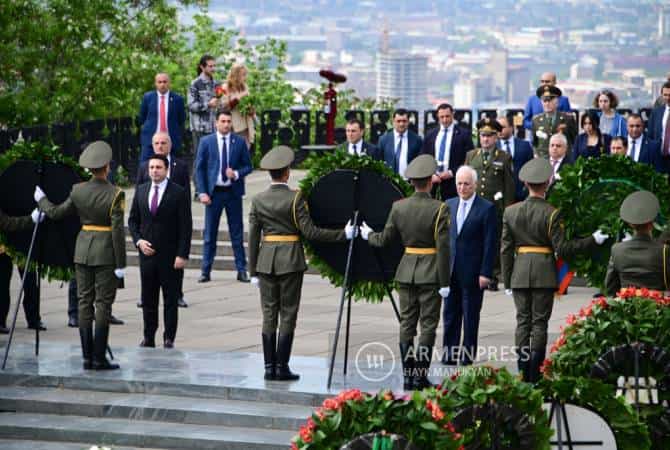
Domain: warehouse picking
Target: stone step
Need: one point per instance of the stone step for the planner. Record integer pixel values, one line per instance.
(198, 233)
(152, 407)
(223, 248)
(7, 444)
(139, 433)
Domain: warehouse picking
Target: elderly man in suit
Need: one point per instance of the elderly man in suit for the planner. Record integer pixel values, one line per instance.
(160, 223)
(401, 145)
(177, 173)
(355, 144)
(448, 144)
(161, 110)
(520, 151)
(221, 164)
(473, 240)
(558, 157)
(642, 148)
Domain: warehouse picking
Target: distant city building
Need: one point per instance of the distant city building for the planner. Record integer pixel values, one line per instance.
(518, 84)
(664, 22)
(403, 76)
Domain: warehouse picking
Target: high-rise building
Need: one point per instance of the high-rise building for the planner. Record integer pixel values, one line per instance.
(402, 76)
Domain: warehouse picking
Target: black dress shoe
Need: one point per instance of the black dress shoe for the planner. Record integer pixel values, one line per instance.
(168, 344)
(40, 325)
(243, 277)
(4, 329)
(204, 279)
(73, 322)
(139, 304)
(182, 303)
(493, 287)
(114, 321)
(147, 343)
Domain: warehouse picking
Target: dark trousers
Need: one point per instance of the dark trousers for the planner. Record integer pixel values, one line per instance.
(280, 301)
(159, 275)
(232, 203)
(180, 282)
(461, 308)
(96, 291)
(5, 278)
(419, 305)
(72, 301)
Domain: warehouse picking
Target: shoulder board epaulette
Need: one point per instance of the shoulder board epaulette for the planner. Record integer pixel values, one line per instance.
(551, 221)
(118, 192)
(293, 208)
(437, 220)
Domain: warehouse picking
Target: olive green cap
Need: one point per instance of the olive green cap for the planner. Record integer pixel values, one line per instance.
(639, 207)
(423, 166)
(488, 126)
(96, 155)
(536, 171)
(278, 158)
(548, 91)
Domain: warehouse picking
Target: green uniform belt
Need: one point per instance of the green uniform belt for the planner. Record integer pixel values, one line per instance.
(281, 238)
(535, 249)
(420, 250)
(96, 228)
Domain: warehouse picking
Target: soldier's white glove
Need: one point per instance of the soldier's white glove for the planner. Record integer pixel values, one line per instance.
(350, 230)
(37, 216)
(444, 292)
(119, 273)
(508, 292)
(627, 237)
(254, 281)
(39, 194)
(365, 230)
(600, 237)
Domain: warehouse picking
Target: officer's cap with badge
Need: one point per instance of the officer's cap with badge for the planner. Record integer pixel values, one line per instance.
(488, 126)
(639, 208)
(548, 92)
(279, 157)
(536, 171)
(421, 167)
(96, 155)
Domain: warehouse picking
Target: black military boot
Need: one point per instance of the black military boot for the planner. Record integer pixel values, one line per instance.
(270, 355)
(100, 361)
(284, 344)
(86, 336)
(423, 357)
(407, 358)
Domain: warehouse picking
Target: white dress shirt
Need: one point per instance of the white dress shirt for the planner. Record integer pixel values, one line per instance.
(220, 181)
(638, 144)
(161, 190)
(464, 207)
(503, 146)
(438, 140)
(664, 123)
(158, 110)
(556, 165)
(356, 148)
(402, 164)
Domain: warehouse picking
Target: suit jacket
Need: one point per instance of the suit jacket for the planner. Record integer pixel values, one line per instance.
(566, 161)
(208, 166)
(423, 222)
(281, 211)
(542, 132)
(637, 262)
(368, 149)
(461, 143)
(148, 119)
(178, 174)
(169, 231)
(386, 147)
(655, 124)
(523, 153)
(650, 153)
(473, 250)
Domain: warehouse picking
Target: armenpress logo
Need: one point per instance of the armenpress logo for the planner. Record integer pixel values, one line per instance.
(375, 361)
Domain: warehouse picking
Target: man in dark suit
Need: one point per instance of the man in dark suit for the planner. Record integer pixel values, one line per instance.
(221, 164)
(448, 144)
(177, 173)
(355, 144)
(473, 239)
(558, 157)
(641, 148)
(160, 223)
(161, 110)
(399, 146)
(520, 151)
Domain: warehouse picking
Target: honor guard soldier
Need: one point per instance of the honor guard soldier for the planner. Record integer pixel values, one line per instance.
(532, 237)
(422, 224)
(277, 219)
(496, 177)
(639, 261)
(100, 250)
(551, 121)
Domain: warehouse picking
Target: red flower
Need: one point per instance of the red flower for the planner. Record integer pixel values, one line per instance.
(388, 395)
(219, 90)
(294, 446)
(352, 394)
(602, 302)
(571, 320)
(545, 368)
(450, 427)
(586, 311)
(320, 414)
(305, 434)
(310, 424)
(331, 404)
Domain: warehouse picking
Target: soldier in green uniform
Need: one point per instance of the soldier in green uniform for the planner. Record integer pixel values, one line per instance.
(532, 237)
(496, 178)
(277, 219)
(639, 261)
(422, 224)
(100, 250)
(551, 121)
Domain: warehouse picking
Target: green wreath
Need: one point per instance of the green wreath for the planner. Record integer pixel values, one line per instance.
(36, 151)
(320, 166)
(589, 194)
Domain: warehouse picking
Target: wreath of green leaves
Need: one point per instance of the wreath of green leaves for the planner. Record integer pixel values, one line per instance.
(37, 151)
(371, 291)
(589, 195)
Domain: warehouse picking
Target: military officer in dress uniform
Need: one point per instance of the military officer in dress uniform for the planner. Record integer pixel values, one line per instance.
(639, 261)
(551, 121)
(496, 178)
(532, 237)
(100, 251)
(422, 224)
(277, 219)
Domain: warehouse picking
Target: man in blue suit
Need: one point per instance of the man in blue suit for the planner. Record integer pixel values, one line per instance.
(221, 164)
(534, 104)
(656, 129)
(161, 110)
(641, 148)
(520, 151)
(473, 240)
(399, 146)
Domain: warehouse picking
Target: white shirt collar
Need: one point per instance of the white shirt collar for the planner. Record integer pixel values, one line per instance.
(397, 135)
(278, 183)
(160, 185)
(167, 94)
(219, 136)
(447, 129)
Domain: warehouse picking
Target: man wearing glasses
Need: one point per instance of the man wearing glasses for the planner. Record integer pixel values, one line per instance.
(551, 121)
(534, 105)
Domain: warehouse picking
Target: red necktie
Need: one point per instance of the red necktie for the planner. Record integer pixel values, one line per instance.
(162, 119)
(666, 136)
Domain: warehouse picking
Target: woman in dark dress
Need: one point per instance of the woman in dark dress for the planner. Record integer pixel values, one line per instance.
(591, 143)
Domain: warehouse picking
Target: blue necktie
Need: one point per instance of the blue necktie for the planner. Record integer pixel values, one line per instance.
(443, 147)
(224, 159)
(398, 150)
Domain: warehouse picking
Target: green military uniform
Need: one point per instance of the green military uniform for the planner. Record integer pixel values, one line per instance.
(277, 219)
(546, 125)
(10, 223)
(495, 179)
(640, 261)
(532, 236)
(100, 247)
(422, 224)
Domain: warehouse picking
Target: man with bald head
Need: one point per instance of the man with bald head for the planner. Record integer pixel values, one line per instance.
(534, 105)
(161, 110)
